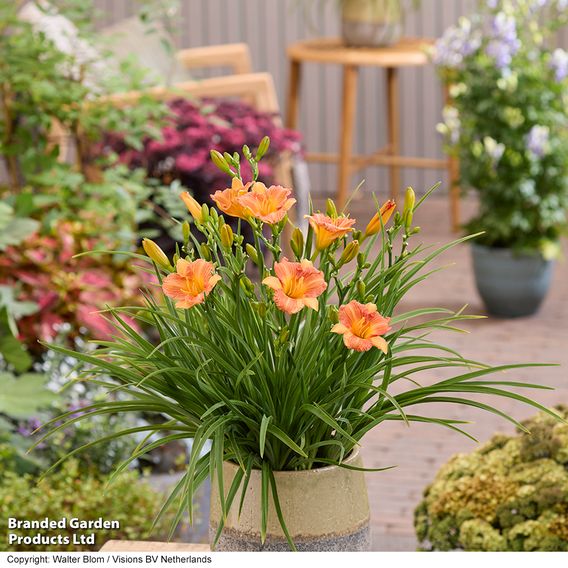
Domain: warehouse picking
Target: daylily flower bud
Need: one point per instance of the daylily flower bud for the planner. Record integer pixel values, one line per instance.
(284, 334)
(360, 260)
(156, 253)
(262, 148)
(205, 251)
(227, 236)
(349, 253)
(220, 162)
(331, 209)
(246, 152)
(409, 201)
(186, 231)
(381, 218)
(297, 242)
(361, 288)
(204, 213)
(260, 308)
(213, 214)
(253, 254)
(333, 314)
(193, 206)
(247, 285)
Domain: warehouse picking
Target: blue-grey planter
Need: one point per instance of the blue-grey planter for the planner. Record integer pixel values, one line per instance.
(511, 285)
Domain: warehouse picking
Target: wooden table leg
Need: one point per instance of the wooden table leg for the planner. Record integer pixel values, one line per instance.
(393, 111)
(453, 175)
(348, 112)
(453, 180)
(293, 103)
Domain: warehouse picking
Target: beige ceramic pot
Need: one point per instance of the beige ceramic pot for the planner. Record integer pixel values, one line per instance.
(325, 509)
(371, 23)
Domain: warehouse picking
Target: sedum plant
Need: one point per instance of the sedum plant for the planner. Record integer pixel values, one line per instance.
(507, 120)
(290, 369)
(509, 494)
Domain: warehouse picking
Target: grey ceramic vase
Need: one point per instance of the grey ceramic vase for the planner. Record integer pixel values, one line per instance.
(371, 23)
(511, 285)
(325, 509)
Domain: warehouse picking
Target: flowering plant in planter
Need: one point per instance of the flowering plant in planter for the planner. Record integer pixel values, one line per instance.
(287, 373)
(370, 23)
(507, 122)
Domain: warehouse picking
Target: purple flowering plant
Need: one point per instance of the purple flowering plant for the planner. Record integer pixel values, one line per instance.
(507, 121)
(182, 152)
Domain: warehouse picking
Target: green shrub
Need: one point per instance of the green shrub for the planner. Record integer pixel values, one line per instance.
(509, 494)
(68, 493)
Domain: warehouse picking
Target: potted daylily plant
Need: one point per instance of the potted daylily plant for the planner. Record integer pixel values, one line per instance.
(508, 125)
(284, 373)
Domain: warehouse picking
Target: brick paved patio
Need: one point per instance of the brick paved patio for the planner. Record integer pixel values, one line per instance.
(419, 450)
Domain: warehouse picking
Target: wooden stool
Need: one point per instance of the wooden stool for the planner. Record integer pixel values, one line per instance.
(406, 53)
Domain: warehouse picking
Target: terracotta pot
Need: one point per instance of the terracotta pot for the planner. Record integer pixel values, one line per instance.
(325, 509)
(371, 23)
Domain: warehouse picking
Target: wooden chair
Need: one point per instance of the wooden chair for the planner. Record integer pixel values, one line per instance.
(255, 88)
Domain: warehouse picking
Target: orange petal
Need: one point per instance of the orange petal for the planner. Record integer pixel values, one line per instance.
(311, 303)
(272, 282)
(284, 269)
(356, 343)
(339, 328)
(287, 304)
(190, 301)
(380, 343)
(183, 267)
(213, 280)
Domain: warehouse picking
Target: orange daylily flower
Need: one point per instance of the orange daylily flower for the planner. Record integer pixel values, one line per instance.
(270, 205)
(193, 206)
(227, 200)
(191, 281)
(362, 326)
(384, 214)
(296, 284)
(329, 229)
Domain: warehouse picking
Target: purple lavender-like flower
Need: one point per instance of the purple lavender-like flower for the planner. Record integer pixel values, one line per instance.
(505, 42)
(457, 43)
(500, 52)
(537, 140)
(26, 428)
(504, 27)
(537, 5)
(559, 64)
